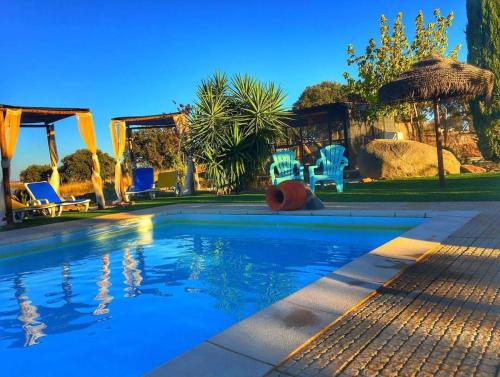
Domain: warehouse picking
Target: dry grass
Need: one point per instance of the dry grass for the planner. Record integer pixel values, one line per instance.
(76, 188)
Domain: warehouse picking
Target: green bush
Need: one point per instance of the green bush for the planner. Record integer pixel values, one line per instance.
(77, 167)
(35, 173)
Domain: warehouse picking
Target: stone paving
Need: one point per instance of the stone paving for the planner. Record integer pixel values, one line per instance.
(441, 317)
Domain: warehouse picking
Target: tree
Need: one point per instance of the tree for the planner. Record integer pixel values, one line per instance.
(35, 173)
(322, 93)
(159, 148)
(77, 167)
(483, 42)
(233, 126)
(394, 54)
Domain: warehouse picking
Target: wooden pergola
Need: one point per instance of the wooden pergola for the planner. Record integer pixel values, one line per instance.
(319, 125)
(123, 127)
(137, 123)
(42, 118)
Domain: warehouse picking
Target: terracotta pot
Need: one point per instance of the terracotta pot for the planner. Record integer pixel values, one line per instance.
(288, 196)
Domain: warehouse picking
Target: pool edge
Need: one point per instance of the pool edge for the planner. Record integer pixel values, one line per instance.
(258, 343)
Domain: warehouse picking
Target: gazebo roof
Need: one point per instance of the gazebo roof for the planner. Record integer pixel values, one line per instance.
(44, 115)
(149, 121)
(336, 111)
(438, 77)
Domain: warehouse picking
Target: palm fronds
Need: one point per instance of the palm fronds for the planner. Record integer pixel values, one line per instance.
(233, 125)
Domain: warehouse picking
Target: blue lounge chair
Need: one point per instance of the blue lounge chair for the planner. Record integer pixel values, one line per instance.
(42, 193)
(287, 166)
(21, 211)
(333, 163)
(143, 182)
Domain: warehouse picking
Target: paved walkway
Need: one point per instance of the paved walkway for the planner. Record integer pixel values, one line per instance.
(439, 318)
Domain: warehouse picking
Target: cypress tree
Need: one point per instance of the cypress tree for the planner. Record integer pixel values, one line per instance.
(483, 43)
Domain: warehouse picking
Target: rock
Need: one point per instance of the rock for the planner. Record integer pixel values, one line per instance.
(472, 169)
(313, 202)
(402, 158)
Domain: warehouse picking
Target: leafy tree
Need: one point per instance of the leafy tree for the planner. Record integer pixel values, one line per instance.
(394, 54)
(159, 148)
(322, 93)
(77, 167)
(233, 126)
(35, 173)
(483, 42)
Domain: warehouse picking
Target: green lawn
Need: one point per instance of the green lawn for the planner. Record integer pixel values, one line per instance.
(464, 187)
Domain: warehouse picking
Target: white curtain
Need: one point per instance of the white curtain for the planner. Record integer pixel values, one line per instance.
(87, 131)
(118, 134)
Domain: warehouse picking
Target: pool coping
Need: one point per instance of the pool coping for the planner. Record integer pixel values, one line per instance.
(257, 344)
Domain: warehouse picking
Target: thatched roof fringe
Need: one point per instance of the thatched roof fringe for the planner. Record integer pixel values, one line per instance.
(438, 78)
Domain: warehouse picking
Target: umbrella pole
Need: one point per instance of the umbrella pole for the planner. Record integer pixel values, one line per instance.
(439, 144)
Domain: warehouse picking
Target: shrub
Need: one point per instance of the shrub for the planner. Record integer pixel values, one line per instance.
(35, 173)
(233, 126)
(77, 167)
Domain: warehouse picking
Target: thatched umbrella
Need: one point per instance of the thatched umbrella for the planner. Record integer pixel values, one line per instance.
(434, 79)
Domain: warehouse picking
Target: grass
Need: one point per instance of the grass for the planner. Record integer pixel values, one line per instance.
(464, 187)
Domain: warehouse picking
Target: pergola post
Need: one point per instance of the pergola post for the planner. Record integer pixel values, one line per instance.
(51, 141)
(129, 148)
(51, 137)
(346, 123)
(6, 191)
(439, 144)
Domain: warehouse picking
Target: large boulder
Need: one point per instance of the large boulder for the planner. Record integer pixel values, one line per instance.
(402, 158)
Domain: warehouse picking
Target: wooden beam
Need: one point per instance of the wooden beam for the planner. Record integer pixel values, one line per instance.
(147, 127)
(439, 144)
(130, 147)
(6, 191)
(33, 125)
(51, 141)
(347, 125)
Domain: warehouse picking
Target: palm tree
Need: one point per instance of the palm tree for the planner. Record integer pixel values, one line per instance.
(233, 127)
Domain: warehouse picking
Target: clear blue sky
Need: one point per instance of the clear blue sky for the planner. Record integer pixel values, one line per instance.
(124, 57)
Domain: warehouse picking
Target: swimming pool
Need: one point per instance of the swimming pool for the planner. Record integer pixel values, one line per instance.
(125, 299)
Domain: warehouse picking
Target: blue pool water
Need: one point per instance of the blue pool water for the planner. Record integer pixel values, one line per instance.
(122, 300)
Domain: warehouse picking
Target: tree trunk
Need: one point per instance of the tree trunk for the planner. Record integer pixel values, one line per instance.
(439, 144)
(419, 128)
(188, 189)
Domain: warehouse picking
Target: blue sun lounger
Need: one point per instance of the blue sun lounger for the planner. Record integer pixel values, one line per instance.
(43, 193)
(143, 182)
(333, 163)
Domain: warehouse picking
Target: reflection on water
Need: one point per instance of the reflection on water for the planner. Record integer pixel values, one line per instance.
(104, 283)
(29, 317)
(132, 274)
(163, 288)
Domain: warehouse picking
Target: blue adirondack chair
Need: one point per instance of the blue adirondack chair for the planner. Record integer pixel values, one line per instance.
(287, 166)
(333, 162)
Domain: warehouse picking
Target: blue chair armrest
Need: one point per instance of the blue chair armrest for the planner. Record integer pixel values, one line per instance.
(319, 162)
(271, 170)
(298, 165)
(300, 168)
